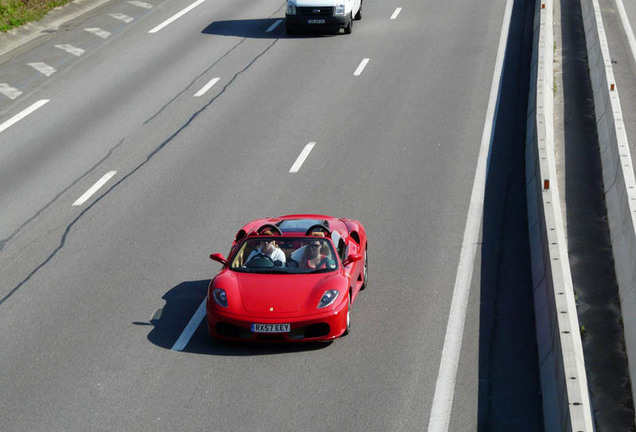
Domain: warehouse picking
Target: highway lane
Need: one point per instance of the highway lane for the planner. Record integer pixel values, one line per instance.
(619, 20)
(84, 343)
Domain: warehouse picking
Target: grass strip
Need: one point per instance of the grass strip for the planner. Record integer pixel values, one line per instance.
(14, 13)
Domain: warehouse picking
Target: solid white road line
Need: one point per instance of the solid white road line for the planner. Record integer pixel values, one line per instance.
(176, 17)
(122, 17)
(396, 13)
(273, 26)
(361, 67)
(206, 87)
(447, 375)
(9, 91)
(627, 26)
(43, 68)
(301, 158)
(13, 120)
(89, 193)
(71, 49)
(185, 337)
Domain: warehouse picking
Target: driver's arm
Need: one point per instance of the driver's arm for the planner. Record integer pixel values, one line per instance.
(279, 255)
(251, 255)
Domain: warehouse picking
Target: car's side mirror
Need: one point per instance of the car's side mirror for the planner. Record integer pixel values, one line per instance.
(219, 258)
(351, 259)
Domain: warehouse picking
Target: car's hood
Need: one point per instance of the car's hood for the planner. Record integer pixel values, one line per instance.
(313, 3)
(282, 293)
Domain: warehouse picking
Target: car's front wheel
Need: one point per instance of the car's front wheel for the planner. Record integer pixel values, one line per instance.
(365, 269)
(348, 327)
(349, 28)
(359, 14)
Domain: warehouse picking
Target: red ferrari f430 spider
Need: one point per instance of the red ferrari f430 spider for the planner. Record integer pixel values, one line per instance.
(290, 278)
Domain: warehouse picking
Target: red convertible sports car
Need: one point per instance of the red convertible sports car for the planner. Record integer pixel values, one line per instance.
(291, 278)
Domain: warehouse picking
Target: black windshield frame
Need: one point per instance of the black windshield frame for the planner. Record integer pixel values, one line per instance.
(248, 256)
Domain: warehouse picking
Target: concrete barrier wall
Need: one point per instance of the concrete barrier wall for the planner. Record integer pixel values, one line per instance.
(618, 172)
(566, 404)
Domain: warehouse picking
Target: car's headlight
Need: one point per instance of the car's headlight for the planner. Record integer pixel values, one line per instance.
(328, 298)
(340, 9)
(291, 8)
(219, 296)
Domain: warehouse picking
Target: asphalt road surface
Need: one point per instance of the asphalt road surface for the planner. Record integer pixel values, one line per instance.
(95, 290)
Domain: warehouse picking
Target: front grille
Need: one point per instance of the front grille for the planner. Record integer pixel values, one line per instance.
(270, 337)
(317, 11)
(232, 330)
(310, 331)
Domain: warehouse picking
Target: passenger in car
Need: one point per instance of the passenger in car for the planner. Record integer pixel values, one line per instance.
(313, 258)
(297, 255)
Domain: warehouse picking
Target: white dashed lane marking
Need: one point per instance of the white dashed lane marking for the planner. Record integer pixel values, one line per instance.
(301, 158)
(13, 120)
(98, 32)
(9, 91)
(71, 49)
(207, 87)
(396, 13)
(176, 16)
(185, 337)
(43, 68)
(273, 26)
(122, 17)
(361, 67)
(141, 4)
(89, 193)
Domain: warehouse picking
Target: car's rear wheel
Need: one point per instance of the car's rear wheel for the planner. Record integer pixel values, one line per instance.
(365, 270)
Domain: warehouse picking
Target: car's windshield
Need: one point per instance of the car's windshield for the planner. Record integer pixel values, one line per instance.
(289, 255)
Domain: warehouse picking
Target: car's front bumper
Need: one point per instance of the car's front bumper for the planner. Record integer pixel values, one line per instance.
(316, 327)
(309, 22)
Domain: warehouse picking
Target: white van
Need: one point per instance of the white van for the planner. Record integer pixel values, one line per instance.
(333, 14)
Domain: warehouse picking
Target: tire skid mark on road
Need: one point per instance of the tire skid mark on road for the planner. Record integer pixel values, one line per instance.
(150, 156)
(93, 190)
(6, 240)
(187, 88)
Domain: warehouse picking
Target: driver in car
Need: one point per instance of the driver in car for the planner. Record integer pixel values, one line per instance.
(269, 249)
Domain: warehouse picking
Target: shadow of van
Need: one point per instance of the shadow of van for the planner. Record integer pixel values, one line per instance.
(257, 29)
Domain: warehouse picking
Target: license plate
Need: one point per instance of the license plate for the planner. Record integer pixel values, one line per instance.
(270, 328)
(316, 21)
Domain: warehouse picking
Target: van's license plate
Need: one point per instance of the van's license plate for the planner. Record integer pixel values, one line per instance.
(316, 21)
(270, 328)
